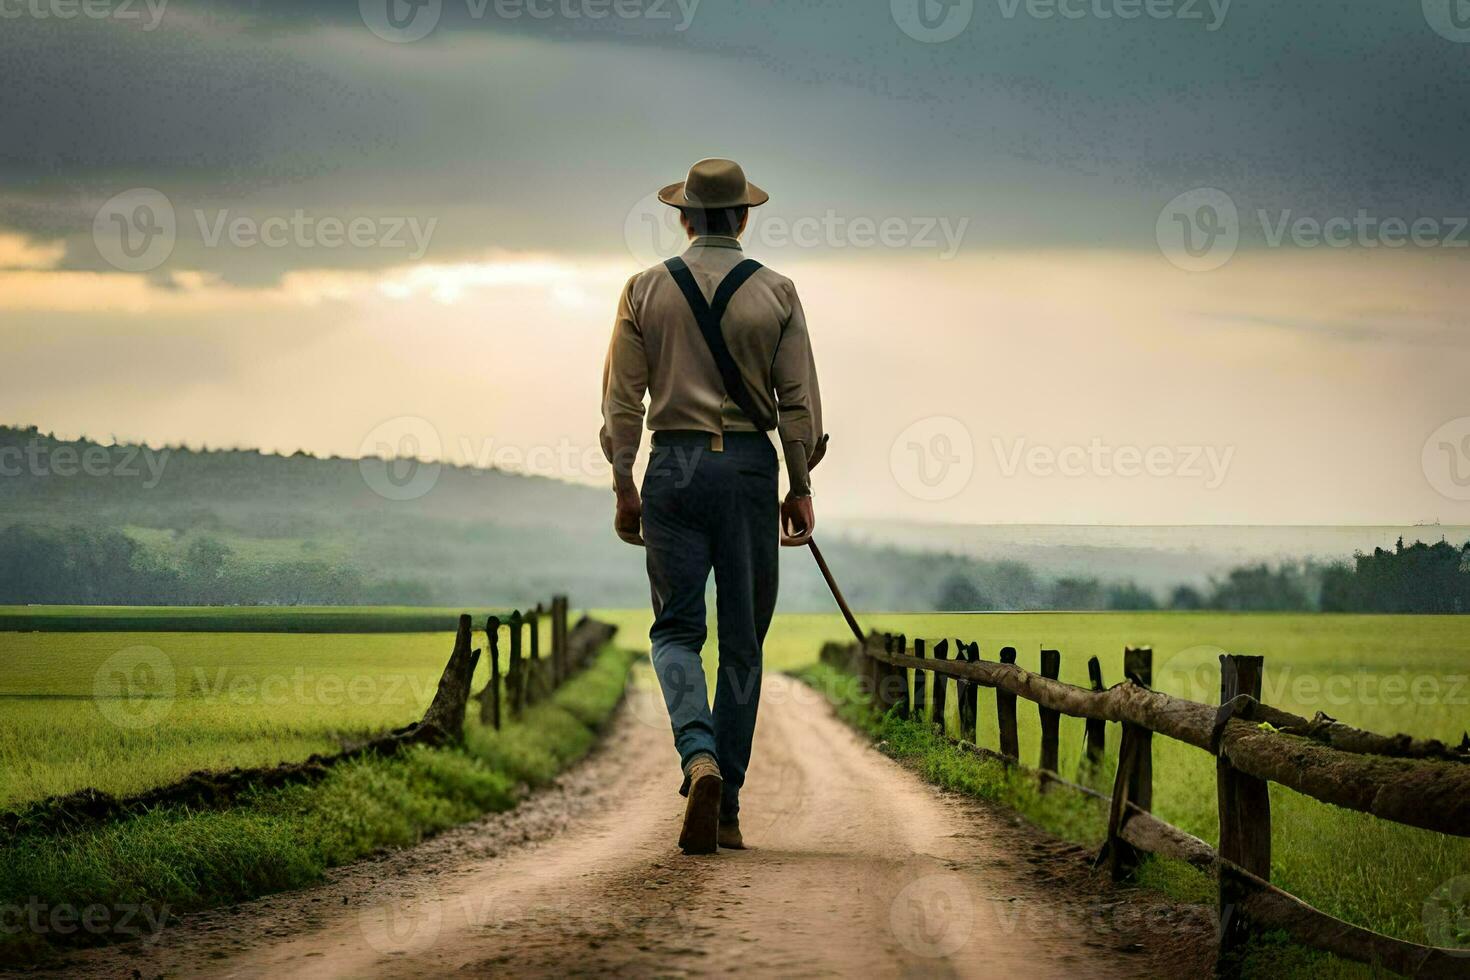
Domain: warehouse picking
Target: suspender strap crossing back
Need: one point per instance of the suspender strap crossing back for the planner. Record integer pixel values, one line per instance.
(708, 316)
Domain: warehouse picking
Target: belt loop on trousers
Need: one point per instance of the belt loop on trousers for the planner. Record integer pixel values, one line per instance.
(717, 442)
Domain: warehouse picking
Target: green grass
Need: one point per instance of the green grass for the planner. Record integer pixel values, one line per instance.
(176, 859)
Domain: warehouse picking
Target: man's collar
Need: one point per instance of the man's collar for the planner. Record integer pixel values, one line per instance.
(715, 241)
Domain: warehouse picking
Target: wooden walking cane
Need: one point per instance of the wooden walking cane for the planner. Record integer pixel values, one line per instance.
(852, 623)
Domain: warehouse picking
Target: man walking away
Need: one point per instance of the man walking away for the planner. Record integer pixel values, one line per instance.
(719, 345)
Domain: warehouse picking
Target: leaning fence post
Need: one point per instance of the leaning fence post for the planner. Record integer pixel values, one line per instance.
(972, 699)
(920, 682)
(515, 678)
(941, 652)
(1245, 816)
(1138, 666)
(1005, 713)
(1051, 664)
(1122, 856)
(1096, 729)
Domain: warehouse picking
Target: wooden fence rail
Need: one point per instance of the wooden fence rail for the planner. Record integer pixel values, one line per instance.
(1419, 782)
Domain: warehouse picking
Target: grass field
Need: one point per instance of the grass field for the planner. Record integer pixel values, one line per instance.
(252, 698)
(125, 711)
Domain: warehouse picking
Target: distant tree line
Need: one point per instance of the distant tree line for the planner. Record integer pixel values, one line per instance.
(81, 565)
(1422, 578)
(1419, 578)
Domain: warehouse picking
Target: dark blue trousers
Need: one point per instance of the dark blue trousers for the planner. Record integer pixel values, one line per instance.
(706, 510)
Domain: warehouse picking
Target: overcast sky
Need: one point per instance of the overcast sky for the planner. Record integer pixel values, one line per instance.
(1034, 239)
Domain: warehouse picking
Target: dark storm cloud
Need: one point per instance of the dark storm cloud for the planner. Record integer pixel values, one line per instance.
(519, 131)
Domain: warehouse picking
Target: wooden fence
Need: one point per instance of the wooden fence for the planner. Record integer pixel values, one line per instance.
(1422, 783)
(528, 676)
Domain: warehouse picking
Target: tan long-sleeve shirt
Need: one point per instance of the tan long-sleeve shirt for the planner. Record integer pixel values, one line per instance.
(657, 350)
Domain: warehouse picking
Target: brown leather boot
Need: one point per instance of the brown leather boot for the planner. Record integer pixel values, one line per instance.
(730, 835)
(702, 811)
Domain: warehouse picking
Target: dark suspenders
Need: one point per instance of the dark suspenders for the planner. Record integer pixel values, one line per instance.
(708, 316)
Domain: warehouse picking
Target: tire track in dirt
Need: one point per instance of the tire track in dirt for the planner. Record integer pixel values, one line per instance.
(857, 867)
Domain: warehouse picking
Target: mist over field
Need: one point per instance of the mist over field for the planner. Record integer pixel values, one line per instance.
(93, 523)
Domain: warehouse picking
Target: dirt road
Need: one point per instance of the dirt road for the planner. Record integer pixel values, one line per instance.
(857, 868)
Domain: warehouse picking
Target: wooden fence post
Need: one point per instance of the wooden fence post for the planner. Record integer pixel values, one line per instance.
(1122, 856)
(941, 652)
(961, 692)
(1138, 666)
(534, 681)
(490, 696)
(897, 695)
(972, 699)
(1245, 818)
(515, 677)
(559, 637)
(1005, 713)
(1051, 665)
(1133, 783)
(916, 711)
(1097, 729)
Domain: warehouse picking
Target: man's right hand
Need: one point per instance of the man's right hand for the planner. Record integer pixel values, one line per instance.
(798, 521)
(628, 517)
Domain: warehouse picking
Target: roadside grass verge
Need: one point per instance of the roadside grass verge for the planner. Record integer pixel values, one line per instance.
(175, 859)
(1067, 815)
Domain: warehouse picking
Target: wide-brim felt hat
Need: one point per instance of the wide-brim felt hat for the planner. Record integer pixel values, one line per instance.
(712, 184)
